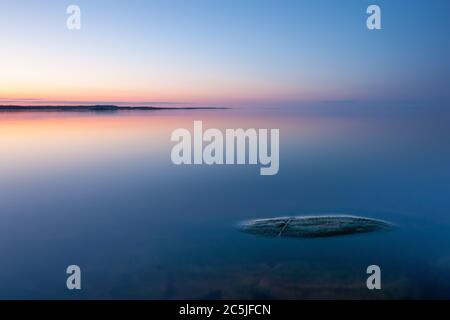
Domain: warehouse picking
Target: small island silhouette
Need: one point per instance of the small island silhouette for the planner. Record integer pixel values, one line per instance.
(96, 108)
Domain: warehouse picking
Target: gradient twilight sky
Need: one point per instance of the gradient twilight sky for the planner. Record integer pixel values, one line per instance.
(227, 52)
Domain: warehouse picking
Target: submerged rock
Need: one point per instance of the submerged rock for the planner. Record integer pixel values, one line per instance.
(312, 226)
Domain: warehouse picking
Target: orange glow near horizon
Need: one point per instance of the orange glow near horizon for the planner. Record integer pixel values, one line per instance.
(42, 95)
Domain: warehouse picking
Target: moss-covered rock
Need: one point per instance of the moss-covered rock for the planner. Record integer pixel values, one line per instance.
(313, 226)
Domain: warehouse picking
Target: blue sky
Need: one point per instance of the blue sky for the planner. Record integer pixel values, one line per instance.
(225, 52)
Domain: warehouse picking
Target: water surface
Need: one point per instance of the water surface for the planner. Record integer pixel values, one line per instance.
(98, 189)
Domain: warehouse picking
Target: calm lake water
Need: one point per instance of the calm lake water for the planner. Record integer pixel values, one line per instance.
(99, 190)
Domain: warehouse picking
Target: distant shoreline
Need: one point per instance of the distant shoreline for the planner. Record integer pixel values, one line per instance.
(97, 108)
